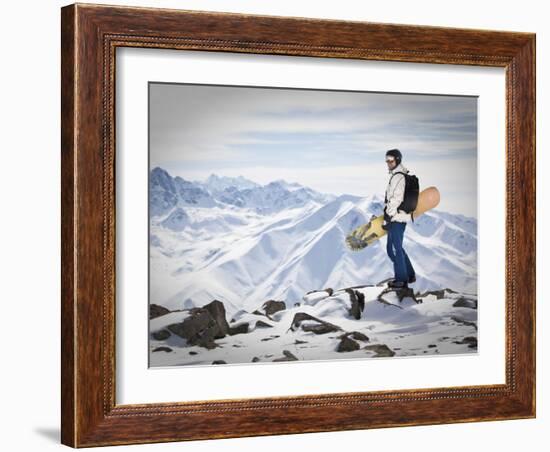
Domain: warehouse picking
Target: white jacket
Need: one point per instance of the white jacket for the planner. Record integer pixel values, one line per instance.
(395, 192)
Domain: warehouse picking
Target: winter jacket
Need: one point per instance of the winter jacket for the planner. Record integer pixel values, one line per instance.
(395, 192)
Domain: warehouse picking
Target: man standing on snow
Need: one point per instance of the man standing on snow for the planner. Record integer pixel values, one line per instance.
(396, 220)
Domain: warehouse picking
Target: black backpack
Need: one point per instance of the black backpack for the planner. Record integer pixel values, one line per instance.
(410, 197)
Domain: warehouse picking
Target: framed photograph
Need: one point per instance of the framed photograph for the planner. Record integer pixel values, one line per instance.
(277, 225)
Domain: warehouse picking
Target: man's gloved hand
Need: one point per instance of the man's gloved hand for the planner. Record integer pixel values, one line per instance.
(401, 216)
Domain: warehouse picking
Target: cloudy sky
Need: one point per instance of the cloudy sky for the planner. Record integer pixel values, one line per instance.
(332, 141)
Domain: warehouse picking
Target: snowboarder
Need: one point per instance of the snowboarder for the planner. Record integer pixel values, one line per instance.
(396, 221)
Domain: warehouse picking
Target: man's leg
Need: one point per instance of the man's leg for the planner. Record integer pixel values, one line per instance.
(390, 249)
(389, 246)
(399, 262)
(410, 269)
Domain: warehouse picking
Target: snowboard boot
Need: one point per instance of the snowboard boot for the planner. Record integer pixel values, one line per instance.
(394, 284)
(411, 280)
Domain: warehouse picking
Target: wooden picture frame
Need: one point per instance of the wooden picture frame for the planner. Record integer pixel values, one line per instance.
(90, 35)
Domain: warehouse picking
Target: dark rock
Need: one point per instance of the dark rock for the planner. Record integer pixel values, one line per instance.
(156, 310)
(464, 322)
(464, 302)
(203, 325)
(270, 338)
(357, 303)
(255, 359)
(319, 326)
(288, 357)
(439, 294)
(162, 349)
(262, 324)
(328, 290)
(193, 352)
(298, 341)
(240, 329)
(432, 346)
(219, 361)
(161, 335)
(381, 350)
(217, 311)
(407, 293)
(469, 340)
(347, 345)
(358, 336)
(400, 293)
(270, 307)
(381, 299)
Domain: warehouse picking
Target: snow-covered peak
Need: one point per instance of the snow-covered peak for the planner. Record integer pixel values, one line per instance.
(215, 183)
(290, 186)
(167, 192)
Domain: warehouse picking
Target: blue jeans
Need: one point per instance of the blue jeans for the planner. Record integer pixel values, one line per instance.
(402, 266)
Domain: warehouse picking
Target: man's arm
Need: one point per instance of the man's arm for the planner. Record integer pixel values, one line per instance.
(396, 194)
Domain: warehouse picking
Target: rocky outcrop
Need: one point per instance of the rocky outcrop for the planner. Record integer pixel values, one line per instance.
(161, 335)
(381, 350)
(162, 349)
(357, 335)
(156, 310)
(312, 324)
(328, 290)
(347, 345)
(463, 321)
(401, 295)
(239, 329)
(393, 320)
(469, 340)
(439, 294)
(270, 307)
(348, 341)
(464, 302)
(288, 356)
(262, 324)
(217, 311)
(357, 300)
(203, 325)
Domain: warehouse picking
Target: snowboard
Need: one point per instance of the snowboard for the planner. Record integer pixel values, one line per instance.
(368, 233)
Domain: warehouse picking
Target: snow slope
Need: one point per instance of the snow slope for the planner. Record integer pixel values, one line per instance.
(243, 256)
(388, 326)
(242, 243)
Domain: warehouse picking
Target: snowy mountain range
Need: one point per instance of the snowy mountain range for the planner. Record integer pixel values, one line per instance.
(243, 243)
(167, 192)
